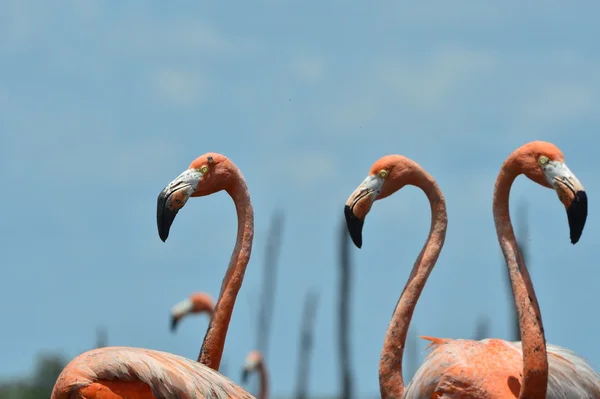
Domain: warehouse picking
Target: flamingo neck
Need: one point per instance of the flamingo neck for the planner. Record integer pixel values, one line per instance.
(214, 341)
(535, 360)
(390, 363)
(264, 381)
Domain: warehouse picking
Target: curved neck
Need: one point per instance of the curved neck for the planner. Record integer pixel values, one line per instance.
(214, 341)
(535, 359)
(390, 364)
(264, 381)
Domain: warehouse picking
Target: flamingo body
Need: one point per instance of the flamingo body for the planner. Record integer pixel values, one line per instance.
(137, 373)
(492, 368)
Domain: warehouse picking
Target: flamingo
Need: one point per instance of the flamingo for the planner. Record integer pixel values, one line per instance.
(490, 368)
(255, 362)
(136, 373)
(198, 302)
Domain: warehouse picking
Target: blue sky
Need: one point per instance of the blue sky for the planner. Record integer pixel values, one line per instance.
(104, 103)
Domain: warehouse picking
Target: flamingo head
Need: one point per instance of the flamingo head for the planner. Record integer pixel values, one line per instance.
(544, 163)
(253, 361)
(387, 175)
(207, 175)
(197, 303)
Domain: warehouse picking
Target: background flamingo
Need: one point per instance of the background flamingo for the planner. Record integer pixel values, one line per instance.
(305, 344)
(136, 373)
(266, 302)
(255, 363)
(196, 303)
(472, 368)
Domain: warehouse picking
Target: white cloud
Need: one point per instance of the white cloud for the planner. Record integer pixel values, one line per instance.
(309, 68)
(463, 12)
(431, 83)
(139, 161)
(407, 89)
(307, 169)
(555, 104)
(128, 32)
(87, 10)
(350, 112)
(88, 153)
(483, 17)
(186, 37)
(179, 88)
(456, 90)
(19, 24)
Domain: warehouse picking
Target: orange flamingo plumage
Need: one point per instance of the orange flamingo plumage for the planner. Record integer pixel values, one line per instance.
(255, 363)
(490, 368)
(196, 303)
(136, 373)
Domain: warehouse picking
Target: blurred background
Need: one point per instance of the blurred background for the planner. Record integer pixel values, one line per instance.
(103, 103)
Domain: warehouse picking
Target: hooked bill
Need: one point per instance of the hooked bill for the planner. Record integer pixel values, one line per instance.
(577, 215)
(355, 226)
(164, 214)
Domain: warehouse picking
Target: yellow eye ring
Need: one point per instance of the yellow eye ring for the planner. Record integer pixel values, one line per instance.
(543, 160)
(204, 169)
(383, 173)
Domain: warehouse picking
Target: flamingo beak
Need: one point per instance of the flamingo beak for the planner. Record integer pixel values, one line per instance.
(571, 193)
(174, 322)
(179, 310)
(245, 374)
(172, 198)
(358, 206)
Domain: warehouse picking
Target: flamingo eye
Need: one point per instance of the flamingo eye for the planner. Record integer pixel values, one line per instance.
(383, 173)
(543, 160)
(204, 169)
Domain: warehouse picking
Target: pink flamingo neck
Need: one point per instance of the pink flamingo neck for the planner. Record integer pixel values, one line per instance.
(214, 341)
(390, 363)
(264, 380)
(535, 359)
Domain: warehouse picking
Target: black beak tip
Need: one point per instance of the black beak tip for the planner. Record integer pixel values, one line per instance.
(163, 234)
(173, 324)
(577, 215)
(355, 226)
(164, 216)
(244, 376)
